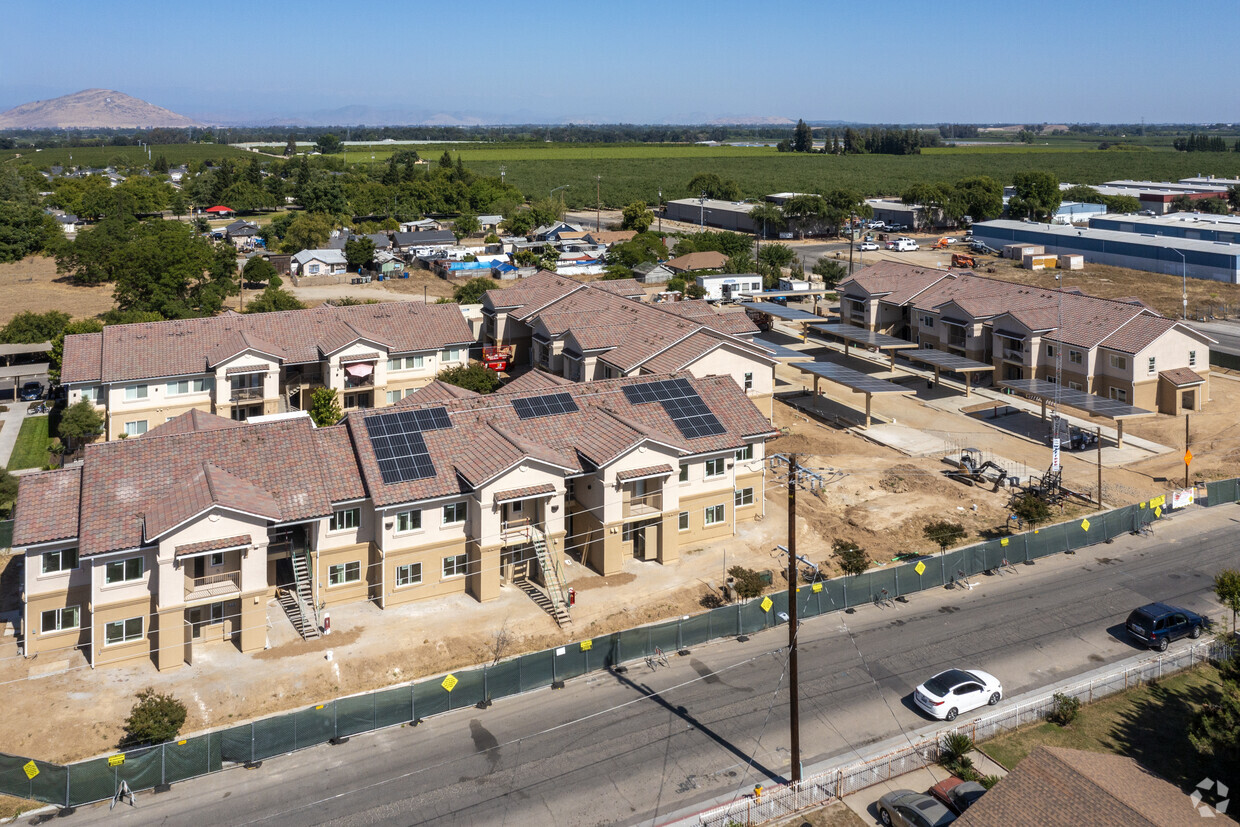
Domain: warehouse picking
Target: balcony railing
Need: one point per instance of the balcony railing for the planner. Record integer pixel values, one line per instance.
(1014, 355)
(651, 503)
(364, 382)
(213, 585)
(246, 394)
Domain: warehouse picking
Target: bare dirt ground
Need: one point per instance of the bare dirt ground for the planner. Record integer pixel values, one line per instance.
(32, 284)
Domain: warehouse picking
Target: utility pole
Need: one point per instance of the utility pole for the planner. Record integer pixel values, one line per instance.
(598, 203)
(502, 170)
(794, 700)
(1187, 454)
(660, 212)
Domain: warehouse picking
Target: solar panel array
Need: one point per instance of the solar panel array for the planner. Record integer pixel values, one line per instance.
(860, 335)
(1110, 408)
(849, 378)
(682, 403)
(779, 311)
(947, 361)
(780, 351)
(398, 443)
(536, 407)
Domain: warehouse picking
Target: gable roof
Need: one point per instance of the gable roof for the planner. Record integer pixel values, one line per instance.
(207, 486)
(327, 256)
(192, 420)
(47, 506)
(708, 260)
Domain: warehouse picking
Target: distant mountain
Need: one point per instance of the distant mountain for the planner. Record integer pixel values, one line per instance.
(92, 109)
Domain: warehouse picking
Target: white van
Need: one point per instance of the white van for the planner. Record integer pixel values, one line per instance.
(905, 245)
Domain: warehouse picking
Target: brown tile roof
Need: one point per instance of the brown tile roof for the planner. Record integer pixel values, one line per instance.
(610, 236)
(620, 287)
(735, 322)
(193, 420)
(212, 545)
(206, 486)
(47, 506)
(648, 471)
(681, 354)
(894, 281)
(435, 391)
(708, 260)
(335, 450)
(237, 370)
(524, 493)
(536, 380)
(531, 294)
(1137, 334)
(1057, 787)
(191, 346)
(1182, 377)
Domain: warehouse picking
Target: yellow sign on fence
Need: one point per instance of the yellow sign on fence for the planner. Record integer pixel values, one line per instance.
(817, 587)
(116, 760)
(1004, 541)
(587, 645)
(31, 769)
(449, 683)
(920, 568)
(1085, 524)
(766, 604)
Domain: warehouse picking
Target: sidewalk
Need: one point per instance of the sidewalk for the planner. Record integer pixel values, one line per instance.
(12, 419)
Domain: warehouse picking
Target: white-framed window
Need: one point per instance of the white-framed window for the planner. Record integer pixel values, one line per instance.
(1074, 356)
(124, 571)
(184, 386)
(715, 514)
(748, 381)
(408, 521)
(122, 631)
(456, 565)
(409, 575)
(415, 362)
(58, 620)
(63, 560)
(450, 354)
(393, 397)
(135, 428)
(715, 467)
(684, 473)
(91, 394)
(345, 518)
(745, 454)
(133, 392)
(1076, 386)
(1119, 394)
(1192, 358)
(314, 269)
(744, 496)
(927, 322)
(342, 573)
(395, 364)
(217, 559)
(683, 521)
(1119, 362)
(455, 513)
(1153, 366)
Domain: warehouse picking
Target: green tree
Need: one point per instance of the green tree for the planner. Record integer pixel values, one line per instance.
(830, 270)
(8, 492)
(641, 248)
(767, 219)
(325, 407)
(154, 719)
(359, 251)
(474, 377)
(1215, 730)
(981, 197)
(741, 262)
(636, 216)
(1227, 589)
(945, 533)
(851, 557)
(465, 225)
(802, 137)
(521, 222)
(274, 299)
(306, 232)
(168, 269)
(807, 214)
(747, 582)
(445, 160)
(80, 421)
(322, 195)
(714, 187)
(470, 292)
(776, 255)
(258, 270)
(1233, 194)
(1031, 509)
(28, 327)
(177, 204)
(328, 144)
(1037, 196)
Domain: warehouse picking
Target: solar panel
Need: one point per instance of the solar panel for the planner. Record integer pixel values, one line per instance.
(1110, 408)
(860, 335)
(947, 361)
(399, 446)
(681, 402)
(788, 314)
(849, 378)
(780, 351)
(536, 407)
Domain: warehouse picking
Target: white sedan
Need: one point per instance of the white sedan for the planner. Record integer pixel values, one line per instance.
(866, 246)
(949, 693)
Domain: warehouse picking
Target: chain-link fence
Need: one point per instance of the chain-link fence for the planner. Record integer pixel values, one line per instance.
(785, 800)
(97, 779)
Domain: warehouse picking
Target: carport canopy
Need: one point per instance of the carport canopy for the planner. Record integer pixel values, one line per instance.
(1090, 403)
(779, 351)
(851, 334)
(942, 360)
(854, 380)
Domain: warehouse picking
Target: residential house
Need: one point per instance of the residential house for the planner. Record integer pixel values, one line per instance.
(652, 272)
(1119, 349)
(241, 366)
(420, 226)
(423, 242)
(490, 223)
(553, 231)
(697, 262)
(241, 234)
(157, 546)
(606, 238)
(319, 263)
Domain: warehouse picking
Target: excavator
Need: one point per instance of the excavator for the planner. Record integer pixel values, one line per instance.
(971, 470)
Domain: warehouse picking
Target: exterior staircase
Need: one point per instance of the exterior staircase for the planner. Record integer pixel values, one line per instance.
(553, 578)
(298, 602)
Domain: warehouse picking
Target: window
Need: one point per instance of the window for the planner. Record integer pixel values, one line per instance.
(408, 521)
(1076, 386)
(455, 566)
(683, 521)
(344, 519)
(1050, 350)
(410, 575)
(1192, 363)
(58, 620)
(122, 631)
(745, 453)
(91, 395)
(454, 513)
(412, 362)
(714, 467)
(1119, 362)
(63, 560)
(1119, 394)
(184, 386)
(744, 496)
(451, 354)
(393, 397)
(1153, 367)
(1074, 356)
(927, 322)
(135, 428)
(749, 381)
(124, 571)
(715, 515)
(395, 364)
(217, 559)
(684, 473)
(342, 573)
(135, 392)
(314, 269)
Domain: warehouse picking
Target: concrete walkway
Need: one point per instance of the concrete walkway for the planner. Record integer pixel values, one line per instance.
(12, 419)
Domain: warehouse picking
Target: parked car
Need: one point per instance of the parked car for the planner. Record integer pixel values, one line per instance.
(957, 794)
(31, 392)
(1157, 624)
(949, 693)
(866, 246)
(878, 225)
(905, 808)
(949, 239)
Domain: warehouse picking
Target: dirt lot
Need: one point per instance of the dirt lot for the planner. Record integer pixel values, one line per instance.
(32, 284)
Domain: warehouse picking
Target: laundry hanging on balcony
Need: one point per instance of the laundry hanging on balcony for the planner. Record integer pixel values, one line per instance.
(360, 370)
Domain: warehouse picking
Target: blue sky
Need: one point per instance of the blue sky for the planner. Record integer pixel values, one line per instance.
(637, 61)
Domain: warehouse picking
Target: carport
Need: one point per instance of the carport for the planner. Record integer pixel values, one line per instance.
(769, 295)
(881, 342)
(1090, 403)
(854, 380)
(787, 314)
(941, 360)
(779, 351)
(19, 374)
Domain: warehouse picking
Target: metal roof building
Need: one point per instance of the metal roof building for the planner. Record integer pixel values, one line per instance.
(710, 212)
(1196, 226)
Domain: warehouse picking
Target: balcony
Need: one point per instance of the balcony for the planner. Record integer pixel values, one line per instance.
(246, 394)
(644, 505)
(213, 586)
(1012, 354)
(354, 382)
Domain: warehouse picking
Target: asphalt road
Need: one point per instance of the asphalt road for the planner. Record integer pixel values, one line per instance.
(605, 750)
(1227, 333)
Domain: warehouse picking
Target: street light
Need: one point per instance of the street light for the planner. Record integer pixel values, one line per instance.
(1184, 279)
(557, 189)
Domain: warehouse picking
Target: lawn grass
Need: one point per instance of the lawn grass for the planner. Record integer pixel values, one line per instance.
(1147, 723)
(32, 444)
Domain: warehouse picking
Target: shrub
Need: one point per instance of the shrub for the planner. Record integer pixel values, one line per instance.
(989, 781)
(1064, 709)
(747, 582)
(155, 718)
(956, 745)
(852, 557)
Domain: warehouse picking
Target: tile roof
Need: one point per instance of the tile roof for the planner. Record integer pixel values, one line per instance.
(620, 287)
(1138, 334)
(536, 380)
(212, 545)
(682, 353)
(1057, 787)
(611, 236)
(205, 487)
(1182, 377)
(708, 260)
(735, 322)
(194, 419)
(524, 493)
(151, 350)
(434, 391)
(344, 479)
(894, 281)
(640, 473)
(47, 506)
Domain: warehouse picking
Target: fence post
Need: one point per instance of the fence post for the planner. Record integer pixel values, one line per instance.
(251, 742)
(163, 764)
(68, 784)
(336, 718)
(679, 635)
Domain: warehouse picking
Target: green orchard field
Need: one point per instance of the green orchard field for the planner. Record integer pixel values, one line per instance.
(102, 156)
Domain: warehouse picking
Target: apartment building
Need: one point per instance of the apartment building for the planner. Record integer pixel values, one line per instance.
(154, 546)
(586, 332)
(1119, 349)
(240, 366)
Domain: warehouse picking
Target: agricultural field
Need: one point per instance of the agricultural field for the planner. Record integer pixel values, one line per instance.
(102, 156)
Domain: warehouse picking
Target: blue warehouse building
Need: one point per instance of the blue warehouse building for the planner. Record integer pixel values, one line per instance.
(1198, 259)
(1196, 226)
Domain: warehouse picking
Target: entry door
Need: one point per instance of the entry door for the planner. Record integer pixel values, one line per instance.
(195, 622)
(1189, 402)
(639, 543)
(200, 567)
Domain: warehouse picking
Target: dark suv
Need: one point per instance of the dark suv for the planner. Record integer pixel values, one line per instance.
(1157, 624)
